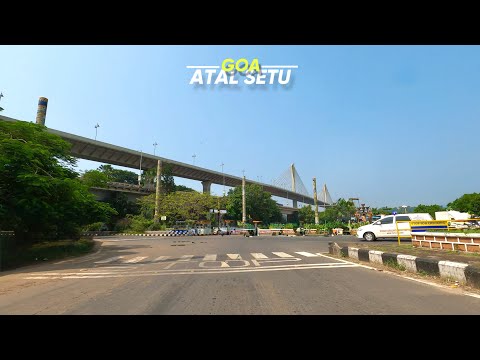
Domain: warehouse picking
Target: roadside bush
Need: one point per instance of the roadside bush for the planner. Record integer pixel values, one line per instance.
(97, 226)
(157, 227)
(138, 224)
(122, 224)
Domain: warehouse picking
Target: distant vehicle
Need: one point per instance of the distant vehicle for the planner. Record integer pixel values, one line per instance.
(386, 227)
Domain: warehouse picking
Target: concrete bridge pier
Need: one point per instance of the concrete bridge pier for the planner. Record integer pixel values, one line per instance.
(206, 186)
(295, 205)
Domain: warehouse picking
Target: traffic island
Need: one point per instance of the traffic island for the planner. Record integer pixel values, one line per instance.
(463, 273)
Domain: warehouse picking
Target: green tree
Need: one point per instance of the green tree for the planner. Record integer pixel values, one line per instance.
(168, 182)
(259, 204)
(95, 178)
(166, 177)
(117, 175)
(343, 210)
(40, 193)
(382, 211)
(431, 209)
(306, 215)
(180, 206)
(183, 188)
(467, 203)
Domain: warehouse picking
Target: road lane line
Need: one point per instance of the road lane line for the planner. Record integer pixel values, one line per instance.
(210, 257)
(135, 260)
(190, 272)
(259, 256)
(161, 258)
(306, 254)
(282, 254)
(112, 259)
(186, 258)
(235, 256)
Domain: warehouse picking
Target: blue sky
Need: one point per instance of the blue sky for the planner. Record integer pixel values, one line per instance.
(391, 125)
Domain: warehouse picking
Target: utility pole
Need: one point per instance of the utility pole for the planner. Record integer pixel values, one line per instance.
(156, 217)
(315, 199)
(140, 174)
(96, 128)
(223, 178)
(154, 148)
(244, 203)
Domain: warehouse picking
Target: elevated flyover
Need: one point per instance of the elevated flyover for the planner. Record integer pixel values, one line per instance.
(85, 148)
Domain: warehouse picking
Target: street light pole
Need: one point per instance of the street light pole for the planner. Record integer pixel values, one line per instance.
(194, 156)
(140, 174)
(1, 95)
(223, 179)
(96, 129)
(154, 148)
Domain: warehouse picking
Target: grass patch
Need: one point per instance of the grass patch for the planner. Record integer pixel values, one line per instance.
(44, 251)
(423, 273)
(395, 265)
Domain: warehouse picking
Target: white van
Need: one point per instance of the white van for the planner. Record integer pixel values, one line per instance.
(386, 227)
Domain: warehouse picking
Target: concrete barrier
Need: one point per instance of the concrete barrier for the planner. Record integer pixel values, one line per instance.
(463, 273)
(353, 253)
(408, 261)
(375, 256)
(455, 270)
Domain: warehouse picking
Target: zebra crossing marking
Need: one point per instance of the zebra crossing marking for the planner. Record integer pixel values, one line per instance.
(135, 260)
(259, 256)
(306, 254)
(112, 259)
(282, 254)
(161, 258)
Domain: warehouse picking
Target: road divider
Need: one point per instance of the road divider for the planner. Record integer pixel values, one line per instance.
(461, 272)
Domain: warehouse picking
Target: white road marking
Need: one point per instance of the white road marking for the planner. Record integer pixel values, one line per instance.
(190, 272)
(282, 254)
(259, 256)
(235, 256)
(135, 260)
(210, 257)
(161, 258)
(306, 254)
(223, 264)
(186, 258)
(112, 259)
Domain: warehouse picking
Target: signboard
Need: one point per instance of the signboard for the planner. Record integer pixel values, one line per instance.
(163, 218)
(429, 223)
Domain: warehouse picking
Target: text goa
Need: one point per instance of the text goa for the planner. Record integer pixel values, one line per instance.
(231, 72)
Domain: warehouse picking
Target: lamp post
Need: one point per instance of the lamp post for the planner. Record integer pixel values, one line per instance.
(140, 174)
(154, 147)
(223, 178)
(96, 129)
(194, 156)
(1, 95)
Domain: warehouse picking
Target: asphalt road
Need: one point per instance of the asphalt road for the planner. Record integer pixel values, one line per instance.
(219, 275)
